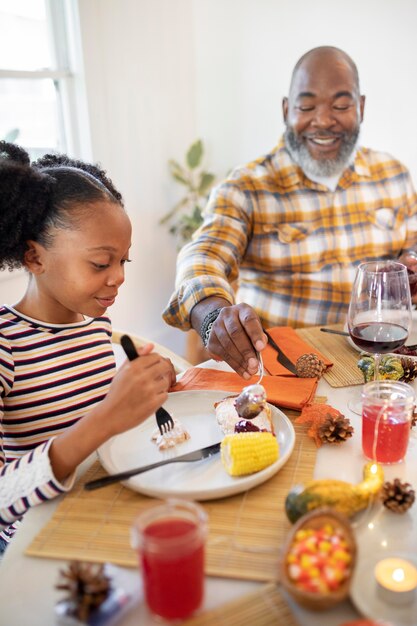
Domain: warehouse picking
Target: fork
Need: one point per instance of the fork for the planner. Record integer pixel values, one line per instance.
(260, 368)
(163, 418)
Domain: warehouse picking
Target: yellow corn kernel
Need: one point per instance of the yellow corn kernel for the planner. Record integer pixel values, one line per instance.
(246, 453)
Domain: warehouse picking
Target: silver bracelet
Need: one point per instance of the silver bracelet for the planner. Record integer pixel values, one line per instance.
(207, 325)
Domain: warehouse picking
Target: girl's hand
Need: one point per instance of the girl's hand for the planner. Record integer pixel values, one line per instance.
(172, 374)
(147, 349)
(138, 389)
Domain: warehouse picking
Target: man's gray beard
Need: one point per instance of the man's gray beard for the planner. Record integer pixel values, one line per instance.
(326, 167)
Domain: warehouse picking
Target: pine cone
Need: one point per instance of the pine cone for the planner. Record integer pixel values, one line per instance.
(309, 366)
(87, 586)
(397, 496)
(335, 429)
(410, 369)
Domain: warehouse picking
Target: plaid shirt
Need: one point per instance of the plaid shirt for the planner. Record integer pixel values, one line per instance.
(288, 246)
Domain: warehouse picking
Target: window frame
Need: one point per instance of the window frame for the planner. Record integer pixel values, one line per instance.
(67, 74)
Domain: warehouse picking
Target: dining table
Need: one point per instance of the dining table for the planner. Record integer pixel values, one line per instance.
(27, 583)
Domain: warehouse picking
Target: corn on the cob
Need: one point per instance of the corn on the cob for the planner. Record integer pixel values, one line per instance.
(246, 453)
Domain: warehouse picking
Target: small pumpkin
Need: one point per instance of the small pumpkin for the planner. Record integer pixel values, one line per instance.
(367, 366)
(337, 494)
(390, 367)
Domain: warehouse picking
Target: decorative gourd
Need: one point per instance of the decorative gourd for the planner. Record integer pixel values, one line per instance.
(337, 494)
(367, 366)
(390, 367)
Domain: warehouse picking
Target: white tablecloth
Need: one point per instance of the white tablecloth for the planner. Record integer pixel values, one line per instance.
(27, 594)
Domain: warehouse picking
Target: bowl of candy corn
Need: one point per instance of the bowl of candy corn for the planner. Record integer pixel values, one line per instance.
(318, 559)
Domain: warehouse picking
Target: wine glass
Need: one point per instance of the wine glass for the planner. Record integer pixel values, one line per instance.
(379, 317)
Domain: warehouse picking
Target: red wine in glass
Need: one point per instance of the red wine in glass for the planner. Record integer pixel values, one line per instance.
(379, 316)
(378, 337)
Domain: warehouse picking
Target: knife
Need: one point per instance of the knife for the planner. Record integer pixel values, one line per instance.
(196, 455)
(334, 332)
(281, 358)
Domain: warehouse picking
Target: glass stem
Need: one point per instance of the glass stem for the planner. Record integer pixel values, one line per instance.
(377, 359)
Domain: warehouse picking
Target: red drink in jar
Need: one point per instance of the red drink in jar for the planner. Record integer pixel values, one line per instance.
(392, 436)
(386, 413)
(170, 540)
(174, 579)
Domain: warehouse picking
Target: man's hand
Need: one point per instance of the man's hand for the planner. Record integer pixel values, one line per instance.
(235, 337)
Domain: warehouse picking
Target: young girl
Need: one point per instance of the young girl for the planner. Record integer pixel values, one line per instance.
(64, 222)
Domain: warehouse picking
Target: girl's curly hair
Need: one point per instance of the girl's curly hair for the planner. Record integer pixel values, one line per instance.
(34, 198)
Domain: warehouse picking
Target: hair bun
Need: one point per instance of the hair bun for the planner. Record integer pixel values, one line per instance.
(14, 153)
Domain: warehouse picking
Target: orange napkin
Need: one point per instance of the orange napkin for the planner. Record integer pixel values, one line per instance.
(292, 393)
(292, 346)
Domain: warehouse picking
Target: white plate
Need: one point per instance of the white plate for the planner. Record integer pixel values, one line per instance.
(411, 339)
(200, 480)
(363, 593)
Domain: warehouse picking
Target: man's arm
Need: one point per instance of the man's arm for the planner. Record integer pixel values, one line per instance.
(207, 267)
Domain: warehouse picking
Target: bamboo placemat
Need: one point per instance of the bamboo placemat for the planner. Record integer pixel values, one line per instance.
(264, 607)
(344, 371)
(245, 531)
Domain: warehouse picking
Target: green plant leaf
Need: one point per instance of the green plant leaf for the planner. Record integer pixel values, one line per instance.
(178, 172)
(195, 154)
(197, 215)
(181, 180)
(206, 182)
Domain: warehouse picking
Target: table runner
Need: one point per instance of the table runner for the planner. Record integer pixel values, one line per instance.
(264, 607)
(246, 530)
(344, 371)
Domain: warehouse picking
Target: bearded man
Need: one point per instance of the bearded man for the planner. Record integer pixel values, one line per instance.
(282, 236)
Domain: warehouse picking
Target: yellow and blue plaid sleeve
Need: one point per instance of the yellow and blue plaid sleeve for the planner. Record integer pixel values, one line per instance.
(209, 264)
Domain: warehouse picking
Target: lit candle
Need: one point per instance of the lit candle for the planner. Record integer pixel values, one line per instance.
(396, 580)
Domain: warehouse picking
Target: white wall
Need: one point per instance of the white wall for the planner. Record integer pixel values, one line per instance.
(246, 50)
(161, 73)
(139, 67)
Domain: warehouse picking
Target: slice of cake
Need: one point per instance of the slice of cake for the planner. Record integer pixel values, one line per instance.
(176, 435)
(228, 417)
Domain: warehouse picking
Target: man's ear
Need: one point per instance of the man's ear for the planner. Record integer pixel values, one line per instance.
(33, 258)
(285, 109)
(361, 106)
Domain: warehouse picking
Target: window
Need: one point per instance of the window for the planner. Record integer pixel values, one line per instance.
(40, 82)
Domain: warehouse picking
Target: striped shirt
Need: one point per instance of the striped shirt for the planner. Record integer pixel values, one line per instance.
(50, 376)
(289, 246)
